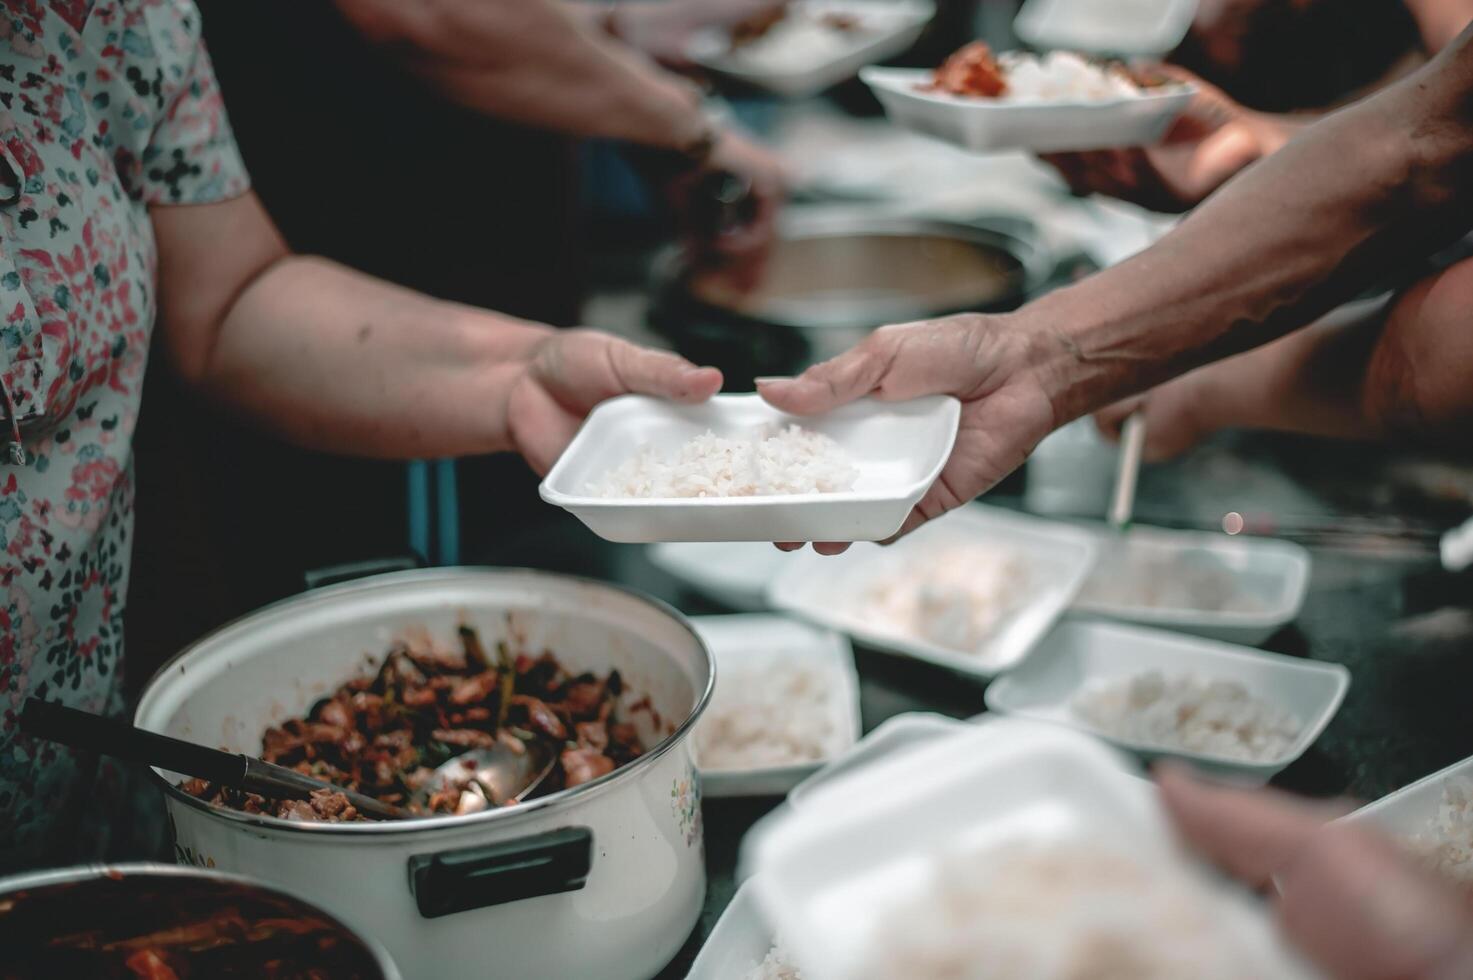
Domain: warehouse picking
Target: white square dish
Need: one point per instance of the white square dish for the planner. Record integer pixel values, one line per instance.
(1411, 811)
(739, 942)
(1076, 655)
(833, 591)
(986, 125)
(733, 573)
(1143, 27)
(830, 874)
(899, 449)
(902, 733)
(1264, 582)
(895, 27)
(758, 643)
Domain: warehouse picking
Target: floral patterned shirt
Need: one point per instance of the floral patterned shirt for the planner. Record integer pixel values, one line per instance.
(107, 107)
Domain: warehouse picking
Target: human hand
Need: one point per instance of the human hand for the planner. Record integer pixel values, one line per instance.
(1213, 140)
(984, 361)
(764, 175)
(1177, 416)
(1352, 901)
(574, 370)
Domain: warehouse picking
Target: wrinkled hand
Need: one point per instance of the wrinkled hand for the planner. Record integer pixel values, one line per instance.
(1353, 902)
(766, 175)
(980, 360)
(1213, 140)
(574, 370)
(1177, 416)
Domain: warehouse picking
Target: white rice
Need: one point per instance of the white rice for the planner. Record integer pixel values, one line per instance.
(953, 595)
(1062, 76)
(1075, 910)
(1188, 712)
(779, 716)
(772, 461)
(774, 966)
(1447, 843)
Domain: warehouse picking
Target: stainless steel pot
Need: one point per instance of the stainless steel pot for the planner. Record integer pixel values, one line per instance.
(605, 879)
(128, 901)
(834, 277)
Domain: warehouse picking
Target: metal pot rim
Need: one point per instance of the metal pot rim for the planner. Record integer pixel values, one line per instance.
(87, 872)
(496, 817)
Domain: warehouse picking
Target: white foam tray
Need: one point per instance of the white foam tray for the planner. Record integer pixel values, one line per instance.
(898, 447)
(754, 642)
(823, 589)
(1141, 27)
(1410, 810)
(986, 125)
(1275, 573)
(1076, 655)
(903, 22)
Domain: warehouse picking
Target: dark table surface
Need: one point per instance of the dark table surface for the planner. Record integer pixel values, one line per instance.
(1402, 627)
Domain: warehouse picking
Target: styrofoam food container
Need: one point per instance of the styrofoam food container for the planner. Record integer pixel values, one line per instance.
(830, 873)
(897, 26)
(738, 943)
(1275, 574)
(757, 642)
(985, 125)
(1141, 27)
(824, 589)
(733, 573)
(898, 447)
(1076, 655)
(902, 733)
(1410, 810)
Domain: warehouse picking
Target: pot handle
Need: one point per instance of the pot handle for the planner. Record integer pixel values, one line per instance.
(507, 871)
(316, 578)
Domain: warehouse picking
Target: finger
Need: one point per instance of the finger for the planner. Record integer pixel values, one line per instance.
(1361, 908)
(1249, 834)
(830, 548)
(1111, 419)
(542, 428)
(825, 387)
(789, 545)
(581, 369)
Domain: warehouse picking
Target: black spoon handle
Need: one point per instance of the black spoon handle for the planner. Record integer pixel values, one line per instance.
(84, 730)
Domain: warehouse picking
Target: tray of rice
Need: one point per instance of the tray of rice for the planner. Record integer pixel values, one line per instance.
(1433, 818)
(1237, 712)
(1237, 589)
(972, 591)
(803, 48)
(742, 946)
(786, 701)
(1014, 843)
(1020, 101)
(736, 469)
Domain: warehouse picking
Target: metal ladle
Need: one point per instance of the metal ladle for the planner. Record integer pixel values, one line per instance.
(494, 776)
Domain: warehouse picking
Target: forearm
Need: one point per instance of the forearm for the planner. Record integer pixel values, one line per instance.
(332, 359)
(1275, 248)
(535, 62)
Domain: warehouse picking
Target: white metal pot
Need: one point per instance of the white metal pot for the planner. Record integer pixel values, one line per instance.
(602, 880)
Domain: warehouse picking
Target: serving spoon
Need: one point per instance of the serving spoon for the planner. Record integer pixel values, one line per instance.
(494, 776)
(84, 730)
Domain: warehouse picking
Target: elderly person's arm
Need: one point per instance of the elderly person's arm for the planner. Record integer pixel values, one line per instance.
(1405, 372)
(1276, 248)
(339, 361)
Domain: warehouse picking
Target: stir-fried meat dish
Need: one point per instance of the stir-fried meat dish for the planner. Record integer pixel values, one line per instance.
(972, 70)
(384, 736)
(176, 930)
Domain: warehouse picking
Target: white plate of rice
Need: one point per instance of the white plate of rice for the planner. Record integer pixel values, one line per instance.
(1432, 817)
(786, 701)
(644, 470)
(972, 591)
(1014, 843)
(742, 946)
(803, 54)
(1240, 713)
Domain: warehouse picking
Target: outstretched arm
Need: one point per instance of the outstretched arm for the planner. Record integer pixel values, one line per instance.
(339, 361)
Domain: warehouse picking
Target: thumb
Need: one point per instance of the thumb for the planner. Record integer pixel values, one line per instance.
(1111, 419)
(582, 368)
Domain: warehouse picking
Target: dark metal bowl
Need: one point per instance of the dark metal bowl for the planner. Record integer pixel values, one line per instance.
(831, 279)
